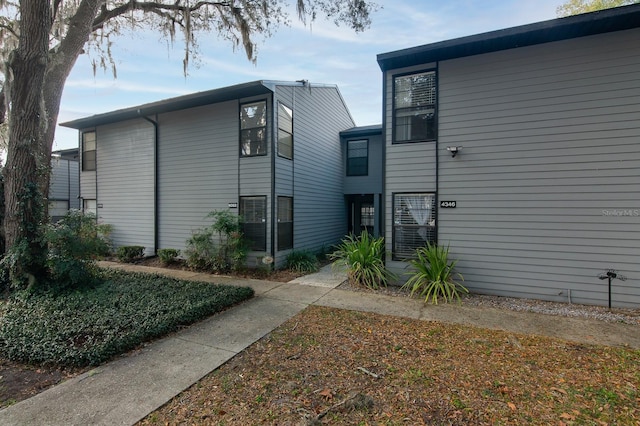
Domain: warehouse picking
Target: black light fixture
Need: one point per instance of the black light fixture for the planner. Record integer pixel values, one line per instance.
(454, 150)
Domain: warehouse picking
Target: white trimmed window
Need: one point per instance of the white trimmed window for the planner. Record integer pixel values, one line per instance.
(414, 223)
(414, 107)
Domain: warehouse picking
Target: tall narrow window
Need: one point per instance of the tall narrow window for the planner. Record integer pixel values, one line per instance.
(253, 129)
(88, 151)
(414, 223)
(285, 131)
(285, 223)
(358, 157)
(254, 221)
(414, 109)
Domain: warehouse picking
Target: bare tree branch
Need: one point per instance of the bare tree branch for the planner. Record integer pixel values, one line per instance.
(106, 14)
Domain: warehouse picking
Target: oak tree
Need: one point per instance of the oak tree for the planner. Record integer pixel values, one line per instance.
(40, 41)
(575, 7)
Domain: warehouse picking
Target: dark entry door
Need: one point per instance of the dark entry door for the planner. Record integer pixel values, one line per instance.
(361, 214)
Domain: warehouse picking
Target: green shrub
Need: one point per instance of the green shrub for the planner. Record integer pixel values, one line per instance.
(91, 325)
(363, 257)
(219, 247)
(129, 254)
(302, 261)
(433, 276)
(168, 255)
(74, 243)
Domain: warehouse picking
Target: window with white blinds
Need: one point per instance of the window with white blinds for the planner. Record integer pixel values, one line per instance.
(414, 107)
(414, 223)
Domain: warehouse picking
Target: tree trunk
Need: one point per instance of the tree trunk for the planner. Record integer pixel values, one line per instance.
(26, 163)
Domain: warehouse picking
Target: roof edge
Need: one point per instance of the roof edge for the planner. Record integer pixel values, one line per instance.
(599, 22)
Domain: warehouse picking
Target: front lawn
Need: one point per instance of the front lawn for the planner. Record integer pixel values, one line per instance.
(90, 326)
(330, 366)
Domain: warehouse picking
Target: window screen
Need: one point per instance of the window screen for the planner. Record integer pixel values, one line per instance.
(415, 107)
(253, 129)
(254, 221)
(285, 131)
(285, 223)
(88, 151)
(358, 157)
(414, 223)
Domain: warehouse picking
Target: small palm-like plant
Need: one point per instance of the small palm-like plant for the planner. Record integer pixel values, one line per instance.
(302, 261)
(433, 276)
(363, 257)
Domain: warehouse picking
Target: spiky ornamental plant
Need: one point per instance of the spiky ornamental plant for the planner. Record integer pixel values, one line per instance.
(363, 257)
(433, 275)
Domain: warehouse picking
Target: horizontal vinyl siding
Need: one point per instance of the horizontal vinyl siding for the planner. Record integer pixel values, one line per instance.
(125, 169)
(551, 143)
(198, 169)
(88, 185)
(372, 183)
(74, 185)
(59, 181)
(319, 207)
(284, 166)
(410, 167)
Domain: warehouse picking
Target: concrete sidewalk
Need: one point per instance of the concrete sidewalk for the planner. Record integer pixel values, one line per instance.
(126, 390)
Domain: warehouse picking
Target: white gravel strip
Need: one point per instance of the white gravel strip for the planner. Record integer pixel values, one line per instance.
(601, 313)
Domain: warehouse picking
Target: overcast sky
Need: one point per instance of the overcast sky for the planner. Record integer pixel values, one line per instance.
(148, 71)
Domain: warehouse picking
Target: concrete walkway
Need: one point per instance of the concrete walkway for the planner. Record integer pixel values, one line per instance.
(124, 391)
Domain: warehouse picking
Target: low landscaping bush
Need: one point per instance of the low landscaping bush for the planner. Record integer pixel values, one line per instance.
(220, 247)
(129, 254)
(302, 261)
(433, 276)
(168, 255)
(363, 257)
(90, 326)
(74, 243)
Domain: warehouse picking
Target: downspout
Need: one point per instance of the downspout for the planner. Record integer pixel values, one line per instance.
(383, 196)
(273, 175)
(96, 177)
(155, 179)
(69, 186)
(437, 206)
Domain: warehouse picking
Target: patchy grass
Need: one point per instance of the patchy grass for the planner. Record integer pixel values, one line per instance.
(329, 366)
(90, 326)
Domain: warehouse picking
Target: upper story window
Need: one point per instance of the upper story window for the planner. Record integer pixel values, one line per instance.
(253, 129)
(285, 131)
(414, 107)
(88, 151)
(358, 157)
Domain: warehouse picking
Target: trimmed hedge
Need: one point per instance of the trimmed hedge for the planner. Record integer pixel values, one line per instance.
(90, 326)
(129, 254)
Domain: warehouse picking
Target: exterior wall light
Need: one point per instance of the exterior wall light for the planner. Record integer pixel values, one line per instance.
(454, 150)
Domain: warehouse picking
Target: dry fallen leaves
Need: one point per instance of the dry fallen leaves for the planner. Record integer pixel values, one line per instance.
(312, 370)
